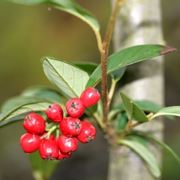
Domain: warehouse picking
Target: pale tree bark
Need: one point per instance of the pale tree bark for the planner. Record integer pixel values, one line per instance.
(139, 22)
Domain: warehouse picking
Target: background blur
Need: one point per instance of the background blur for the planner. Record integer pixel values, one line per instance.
(29, 33)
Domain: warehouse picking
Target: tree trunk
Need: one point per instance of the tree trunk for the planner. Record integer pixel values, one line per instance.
(139, 22)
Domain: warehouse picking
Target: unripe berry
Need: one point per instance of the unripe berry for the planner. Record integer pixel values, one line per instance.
(70, 126)
(90, 97)
(48, 149)
(75, 107)
(67, 144)
(29, 142)
(88, 132)
(55, 112)
(34, 123)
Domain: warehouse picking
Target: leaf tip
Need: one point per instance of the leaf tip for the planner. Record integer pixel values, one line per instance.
(167, 49)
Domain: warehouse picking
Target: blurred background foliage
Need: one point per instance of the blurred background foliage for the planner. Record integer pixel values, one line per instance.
(29, 33)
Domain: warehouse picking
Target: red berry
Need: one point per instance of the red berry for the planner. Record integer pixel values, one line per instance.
(75, 107)
(34, 123)
(70, 126)
(67, 144)
(55, 112)
(90, 97)
(88, 132)
(63, 155)
(29, 142)
(48, 149)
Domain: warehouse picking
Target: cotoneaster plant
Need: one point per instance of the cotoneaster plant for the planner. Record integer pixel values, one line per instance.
(56, 121)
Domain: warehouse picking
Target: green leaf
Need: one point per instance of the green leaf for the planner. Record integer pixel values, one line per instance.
(69, 6)
(89, 68)
(127, 57)
(69, 79)
(75, 9)
(121, 121)
(138, 114)
(17, 106)
(168, 111)
(42, 169)
(28, 2)
(11, 120)
(128, 105)
(43, 93)
(145, 105)
(160, 143)
(117, 75)
(133, 110)
(31, 95)
(143, 151)
(32, 99)
(148, 106)
(18, 115)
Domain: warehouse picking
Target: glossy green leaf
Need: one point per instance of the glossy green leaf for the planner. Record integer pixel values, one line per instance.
(133, 110)
(20, 105)
(89, 68)
(42, 169)
(69, 79)
(127, 57)
(160, 143)
(144, 152)
(168, 111)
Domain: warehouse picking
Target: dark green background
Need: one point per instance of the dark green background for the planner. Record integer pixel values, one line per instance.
(29, 33)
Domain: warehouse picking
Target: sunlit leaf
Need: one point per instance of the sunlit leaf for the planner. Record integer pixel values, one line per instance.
(69, 79)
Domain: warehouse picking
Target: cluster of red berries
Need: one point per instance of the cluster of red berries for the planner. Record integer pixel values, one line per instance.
(70, 128)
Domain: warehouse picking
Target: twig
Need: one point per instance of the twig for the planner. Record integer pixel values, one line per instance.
(104, 57)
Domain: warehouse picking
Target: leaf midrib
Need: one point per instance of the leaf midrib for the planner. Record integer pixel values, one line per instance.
(61, 77)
